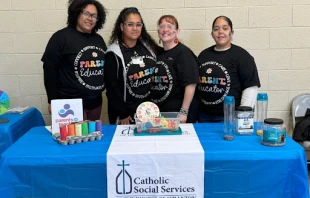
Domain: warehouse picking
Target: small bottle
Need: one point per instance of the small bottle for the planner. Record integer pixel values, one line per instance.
(262, 108)
(229, 117)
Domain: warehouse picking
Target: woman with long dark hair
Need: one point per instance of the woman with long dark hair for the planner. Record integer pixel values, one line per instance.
(130, 64)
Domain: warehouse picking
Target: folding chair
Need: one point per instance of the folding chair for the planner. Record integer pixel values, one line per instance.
(299, 108)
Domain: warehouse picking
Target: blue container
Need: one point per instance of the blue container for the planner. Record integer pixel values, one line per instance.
(274, 132)
(91, 127)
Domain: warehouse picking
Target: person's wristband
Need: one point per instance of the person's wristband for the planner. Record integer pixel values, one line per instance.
(184, 111)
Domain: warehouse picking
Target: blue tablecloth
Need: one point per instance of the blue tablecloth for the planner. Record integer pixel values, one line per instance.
(17, 126)
(36, 166)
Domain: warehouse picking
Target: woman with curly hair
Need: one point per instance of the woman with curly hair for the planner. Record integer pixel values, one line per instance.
(130, 63)
(74, 58)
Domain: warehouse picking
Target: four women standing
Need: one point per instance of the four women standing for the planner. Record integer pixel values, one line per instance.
(134, 69)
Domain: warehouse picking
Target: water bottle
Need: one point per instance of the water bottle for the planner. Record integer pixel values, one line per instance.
(229, 117)
(262, 108)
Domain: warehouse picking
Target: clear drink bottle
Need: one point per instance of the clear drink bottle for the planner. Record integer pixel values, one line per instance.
(262, 108)
(229, 117)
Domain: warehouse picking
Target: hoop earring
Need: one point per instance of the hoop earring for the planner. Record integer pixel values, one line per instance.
(176, 40)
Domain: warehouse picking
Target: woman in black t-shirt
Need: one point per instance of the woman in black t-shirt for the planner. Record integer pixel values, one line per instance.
(130, 64)
(225, 69)
(176, 75)
(74, 57)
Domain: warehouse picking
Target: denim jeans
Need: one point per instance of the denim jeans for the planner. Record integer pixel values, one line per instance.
(204, 117)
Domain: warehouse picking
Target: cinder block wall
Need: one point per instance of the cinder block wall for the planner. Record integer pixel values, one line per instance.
(275, 32)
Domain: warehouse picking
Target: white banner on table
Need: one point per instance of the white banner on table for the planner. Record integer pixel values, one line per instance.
(155, 166)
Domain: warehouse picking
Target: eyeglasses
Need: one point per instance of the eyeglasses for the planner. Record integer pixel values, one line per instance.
(89, 15)
(131, 24)
(168, 26)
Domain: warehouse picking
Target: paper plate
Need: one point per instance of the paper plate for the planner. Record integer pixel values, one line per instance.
(4, 102)
(147, 110)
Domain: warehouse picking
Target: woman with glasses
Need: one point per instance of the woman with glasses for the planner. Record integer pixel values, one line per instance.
(74, 58)
(225, 69)
(175, 78)
(130, 64)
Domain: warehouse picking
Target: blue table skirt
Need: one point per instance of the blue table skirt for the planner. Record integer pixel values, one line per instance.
(36, 166)
(17, 126)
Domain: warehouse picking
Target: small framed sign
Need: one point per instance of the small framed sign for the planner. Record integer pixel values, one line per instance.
(66, 111)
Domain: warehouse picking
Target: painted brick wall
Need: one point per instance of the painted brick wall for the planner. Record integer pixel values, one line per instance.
(275, 32)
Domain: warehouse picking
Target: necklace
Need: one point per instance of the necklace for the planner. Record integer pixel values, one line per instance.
(133, 48)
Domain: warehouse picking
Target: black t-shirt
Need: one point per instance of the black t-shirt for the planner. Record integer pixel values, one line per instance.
(224, 73)
(140, 66)
(76, 60)
(176, 68)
